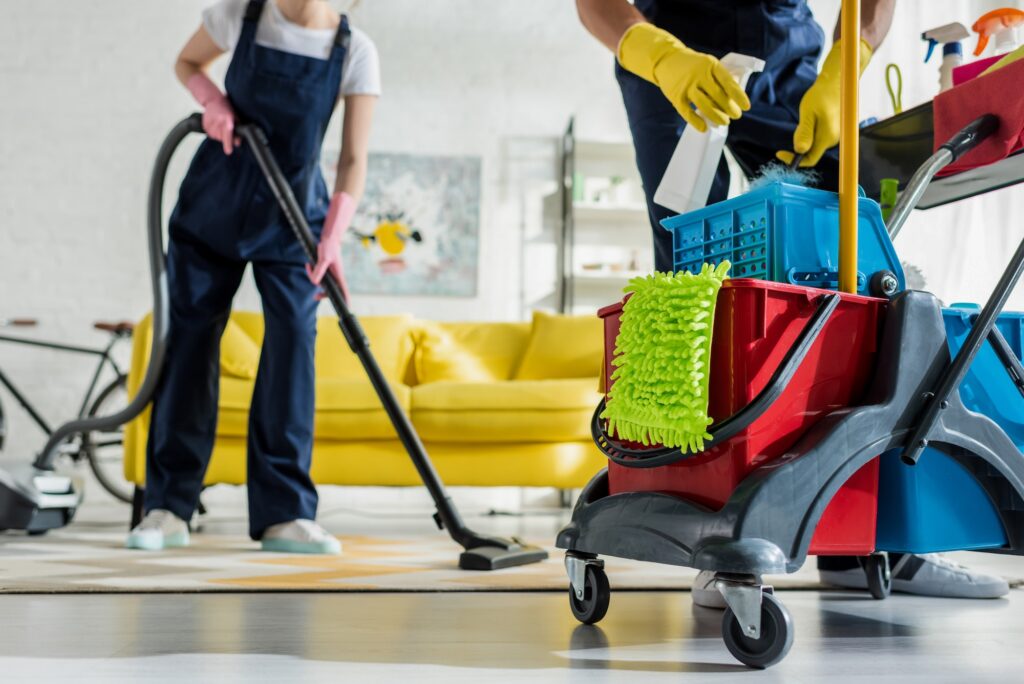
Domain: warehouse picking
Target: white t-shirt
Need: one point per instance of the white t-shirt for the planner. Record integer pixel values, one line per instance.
(360, 74)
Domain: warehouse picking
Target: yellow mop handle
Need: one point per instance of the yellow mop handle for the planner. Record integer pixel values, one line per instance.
(849, 144)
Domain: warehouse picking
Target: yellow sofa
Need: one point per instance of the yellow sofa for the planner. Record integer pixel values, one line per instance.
(496, 404)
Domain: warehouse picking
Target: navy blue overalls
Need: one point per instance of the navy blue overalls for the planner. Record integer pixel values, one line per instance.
(781, 32)
(225, 218)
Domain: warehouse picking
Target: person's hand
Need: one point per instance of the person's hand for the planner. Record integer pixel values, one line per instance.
(686, 77)
(218, 116)
(818, 129)
(328, 251)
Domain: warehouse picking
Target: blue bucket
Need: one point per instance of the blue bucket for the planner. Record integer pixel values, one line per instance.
(937, 505)
(783, 233)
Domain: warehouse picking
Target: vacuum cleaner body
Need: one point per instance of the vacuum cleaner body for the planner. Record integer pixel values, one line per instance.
(37, 500)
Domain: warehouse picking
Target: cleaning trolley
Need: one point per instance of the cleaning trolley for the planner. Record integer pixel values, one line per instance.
(806, 387)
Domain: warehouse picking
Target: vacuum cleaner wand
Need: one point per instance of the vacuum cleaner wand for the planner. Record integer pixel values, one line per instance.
(481, 552)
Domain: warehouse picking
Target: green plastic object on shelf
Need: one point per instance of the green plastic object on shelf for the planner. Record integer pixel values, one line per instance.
(887, 197)
(662, 364)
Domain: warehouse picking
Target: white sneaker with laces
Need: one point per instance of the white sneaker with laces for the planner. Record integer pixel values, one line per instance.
(299, 536)
(930, 574)
(705, 593)
(159, 530)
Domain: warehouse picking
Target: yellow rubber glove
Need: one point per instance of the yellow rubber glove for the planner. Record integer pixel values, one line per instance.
(818, 130)
(687, 78)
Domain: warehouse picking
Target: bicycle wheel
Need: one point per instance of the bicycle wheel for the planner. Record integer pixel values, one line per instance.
(105, 450)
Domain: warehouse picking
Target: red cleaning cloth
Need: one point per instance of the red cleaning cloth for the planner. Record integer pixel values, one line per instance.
(1001, 93)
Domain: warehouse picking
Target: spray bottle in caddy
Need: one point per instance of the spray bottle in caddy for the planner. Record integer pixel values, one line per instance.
(686, 184)
(1001, 24)
(949, 36)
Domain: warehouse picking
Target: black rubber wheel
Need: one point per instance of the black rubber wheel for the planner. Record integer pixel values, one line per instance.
(596, 597)
(883, 284)
(775, 640)
(876, 567)
(105, 450)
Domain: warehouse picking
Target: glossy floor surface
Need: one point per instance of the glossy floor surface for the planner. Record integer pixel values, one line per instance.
(481, 637)
(647, 637)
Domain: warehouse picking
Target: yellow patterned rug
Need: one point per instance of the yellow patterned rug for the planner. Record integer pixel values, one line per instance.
(75, 561)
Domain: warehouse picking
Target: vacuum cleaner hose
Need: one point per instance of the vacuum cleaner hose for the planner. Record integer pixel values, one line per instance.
(161, 306)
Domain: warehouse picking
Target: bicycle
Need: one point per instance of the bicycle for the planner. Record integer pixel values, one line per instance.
(102, 450)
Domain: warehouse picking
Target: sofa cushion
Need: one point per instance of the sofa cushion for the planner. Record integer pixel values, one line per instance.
(563, 347)
(469, 352)
(350, 410)
(508, 411)
(390, 341)
(239, 353)
(345, 409)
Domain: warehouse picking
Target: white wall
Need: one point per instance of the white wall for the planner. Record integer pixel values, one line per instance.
(87, 93)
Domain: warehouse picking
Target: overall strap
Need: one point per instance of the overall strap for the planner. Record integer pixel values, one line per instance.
(343, 36)
(252, 19)
(253, 10)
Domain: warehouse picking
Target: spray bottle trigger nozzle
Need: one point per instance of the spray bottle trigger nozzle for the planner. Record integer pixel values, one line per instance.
(931, 48)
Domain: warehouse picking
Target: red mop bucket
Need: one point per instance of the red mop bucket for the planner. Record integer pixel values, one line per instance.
(756, 323)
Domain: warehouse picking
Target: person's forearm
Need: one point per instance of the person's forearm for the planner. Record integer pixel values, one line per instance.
(351, 177)
(607, 20)
(186, 70)
(875, 21)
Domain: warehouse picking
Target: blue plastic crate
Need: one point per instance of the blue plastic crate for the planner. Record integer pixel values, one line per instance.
(783, 233)
(937, 505)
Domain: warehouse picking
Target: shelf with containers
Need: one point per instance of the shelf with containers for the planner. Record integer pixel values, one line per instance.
(600, 221)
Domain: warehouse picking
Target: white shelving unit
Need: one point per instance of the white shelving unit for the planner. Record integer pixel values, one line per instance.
(600, 223)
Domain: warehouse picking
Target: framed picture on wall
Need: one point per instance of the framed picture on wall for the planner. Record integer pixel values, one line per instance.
(417, 230)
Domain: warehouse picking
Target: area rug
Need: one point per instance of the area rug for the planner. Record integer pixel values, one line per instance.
(74, 561)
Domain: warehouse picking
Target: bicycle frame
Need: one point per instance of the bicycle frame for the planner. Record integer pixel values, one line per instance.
(105, 358)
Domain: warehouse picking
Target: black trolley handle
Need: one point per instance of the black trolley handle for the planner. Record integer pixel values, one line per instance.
(734, 424)
(962, 142)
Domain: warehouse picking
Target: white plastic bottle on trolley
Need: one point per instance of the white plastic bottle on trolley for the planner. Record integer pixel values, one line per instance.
(686, 184)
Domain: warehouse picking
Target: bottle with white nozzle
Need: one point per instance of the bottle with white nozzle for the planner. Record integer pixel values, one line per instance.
(691, 171)
(949, 36)
(952, 57)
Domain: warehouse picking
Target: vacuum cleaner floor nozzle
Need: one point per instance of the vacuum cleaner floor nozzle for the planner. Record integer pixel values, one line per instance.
(498, 557)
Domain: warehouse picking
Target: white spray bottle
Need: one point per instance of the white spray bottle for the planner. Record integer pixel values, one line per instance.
(691, 171)
(949, 36)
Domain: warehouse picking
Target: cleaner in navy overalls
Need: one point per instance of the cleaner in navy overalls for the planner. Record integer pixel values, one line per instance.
(668, 70)
(292, 60)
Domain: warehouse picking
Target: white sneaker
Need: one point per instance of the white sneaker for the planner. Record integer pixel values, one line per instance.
(159, 530)
(705, 593)
(300, 536)
(930, 574)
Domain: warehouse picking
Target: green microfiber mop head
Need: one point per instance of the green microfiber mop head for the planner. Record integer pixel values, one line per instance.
(663, 359)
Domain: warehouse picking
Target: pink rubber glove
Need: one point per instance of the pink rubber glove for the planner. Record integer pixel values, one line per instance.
(218, 116)
(328, 252)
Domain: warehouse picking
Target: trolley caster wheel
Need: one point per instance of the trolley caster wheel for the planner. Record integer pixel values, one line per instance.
(876, 567)
(596, 596)
(883, 284)
(775, 640)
